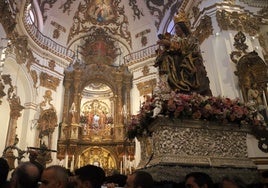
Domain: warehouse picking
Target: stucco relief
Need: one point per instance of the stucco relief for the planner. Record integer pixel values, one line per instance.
(204, 29)
(158, 9)
(238, 21)
(49, 81)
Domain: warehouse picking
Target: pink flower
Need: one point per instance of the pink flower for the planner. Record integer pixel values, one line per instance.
(196, 115)
(196, 106)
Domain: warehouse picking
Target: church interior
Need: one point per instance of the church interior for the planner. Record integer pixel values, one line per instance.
(166, 86)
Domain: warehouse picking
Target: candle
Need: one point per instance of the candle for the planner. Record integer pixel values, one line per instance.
(66, 161)
(78, 164)
(121, 167)
(72, 164)
(130, 165)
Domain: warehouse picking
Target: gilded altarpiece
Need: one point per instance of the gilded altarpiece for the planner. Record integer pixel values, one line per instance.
(252, 73)
(93, 123)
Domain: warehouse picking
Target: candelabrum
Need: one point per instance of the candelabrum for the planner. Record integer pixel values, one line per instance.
(127, 165)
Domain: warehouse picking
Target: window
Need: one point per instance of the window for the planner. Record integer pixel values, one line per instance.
(30, 15)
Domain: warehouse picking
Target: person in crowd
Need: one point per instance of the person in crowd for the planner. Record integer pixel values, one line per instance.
(71, 179)
(54, 177)
(264, 179)
(89, 176)
(198, 180)
(116, 180)
(25, 175)
(232, 182)
(33, 159)
(139, 179)
(4, 169)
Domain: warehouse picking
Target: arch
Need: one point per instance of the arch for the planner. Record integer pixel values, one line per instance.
(98, 156)
(251, 69)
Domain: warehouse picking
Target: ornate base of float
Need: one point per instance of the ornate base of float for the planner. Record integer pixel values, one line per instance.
(178, 147)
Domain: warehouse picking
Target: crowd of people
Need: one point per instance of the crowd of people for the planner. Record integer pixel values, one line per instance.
(29, 175)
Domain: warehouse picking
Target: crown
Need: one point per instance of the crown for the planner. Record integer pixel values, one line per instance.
(180, 17)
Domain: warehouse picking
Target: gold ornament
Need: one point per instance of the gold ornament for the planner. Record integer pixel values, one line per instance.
(180, 17)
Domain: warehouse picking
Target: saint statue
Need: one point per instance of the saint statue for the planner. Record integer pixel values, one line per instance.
(180, 60)
(255, 98)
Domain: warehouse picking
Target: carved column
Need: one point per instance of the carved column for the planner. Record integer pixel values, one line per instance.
(67, 85)
(113, 102)
(15, 113)
(76, 103)
(118, 106)
(128, 87)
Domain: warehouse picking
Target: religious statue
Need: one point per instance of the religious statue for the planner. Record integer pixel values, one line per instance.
(73, 113)
(255, 97)
(47, 121)
(180, 59)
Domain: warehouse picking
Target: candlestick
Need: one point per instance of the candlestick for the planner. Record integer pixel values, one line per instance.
(121, 167)
(78, 164)
(72, 164)
(66, 161)
(130, 165)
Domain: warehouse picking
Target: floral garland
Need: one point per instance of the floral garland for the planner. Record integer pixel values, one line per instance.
(194, 106)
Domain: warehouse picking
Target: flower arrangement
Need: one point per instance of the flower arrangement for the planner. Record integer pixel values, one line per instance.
(194, 106)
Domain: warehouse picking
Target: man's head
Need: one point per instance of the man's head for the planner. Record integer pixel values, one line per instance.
(198, 180)
(54, 177)
(118, 179)
(140, 179)
(90, 176)
(25, 175)
(232, 182)
(264, 179)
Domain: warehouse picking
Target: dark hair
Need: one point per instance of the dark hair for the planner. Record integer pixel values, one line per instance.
(264, 174)
(4, 169)
(25, 176)
(119, 179)
(94, 174)
(200, 179)
(143, 179)
(60, 173)
(235, 180)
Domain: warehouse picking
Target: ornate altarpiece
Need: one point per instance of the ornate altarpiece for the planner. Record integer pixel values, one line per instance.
(93, 128)
(252, 73)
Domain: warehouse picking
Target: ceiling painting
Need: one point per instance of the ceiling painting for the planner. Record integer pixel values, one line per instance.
(100, 13)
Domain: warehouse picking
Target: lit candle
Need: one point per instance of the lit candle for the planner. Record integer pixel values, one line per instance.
(66, 161)
(72, 164)
(121, 167)
(78, 164)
